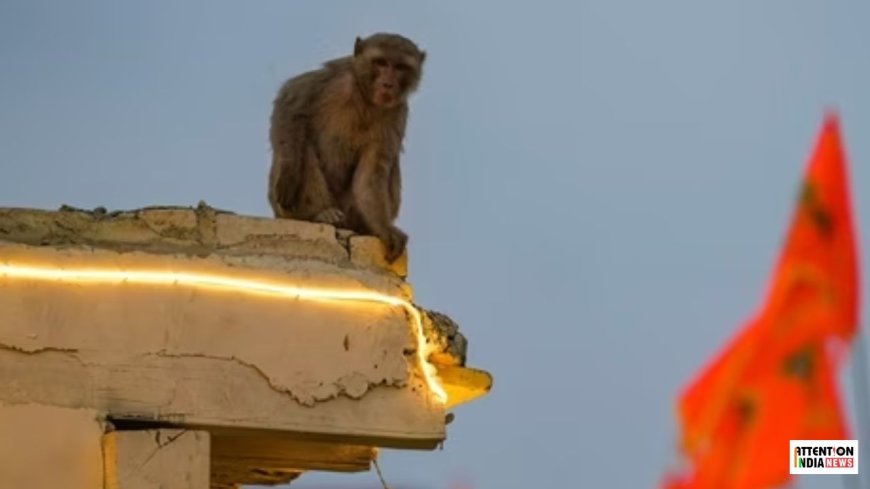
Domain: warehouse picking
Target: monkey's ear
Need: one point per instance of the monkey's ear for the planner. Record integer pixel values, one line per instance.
(358, 46)
(422, 57)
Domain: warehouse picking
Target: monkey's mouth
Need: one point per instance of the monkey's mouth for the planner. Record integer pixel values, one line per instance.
(385, 98)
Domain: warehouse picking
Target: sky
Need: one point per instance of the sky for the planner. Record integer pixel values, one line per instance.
(594, 190)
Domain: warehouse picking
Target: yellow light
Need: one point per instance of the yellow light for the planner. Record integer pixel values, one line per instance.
(226, 282)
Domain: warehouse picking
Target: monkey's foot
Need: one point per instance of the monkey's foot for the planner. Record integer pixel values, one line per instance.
(329, 216)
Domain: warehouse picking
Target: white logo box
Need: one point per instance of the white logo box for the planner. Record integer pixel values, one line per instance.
(823, 457)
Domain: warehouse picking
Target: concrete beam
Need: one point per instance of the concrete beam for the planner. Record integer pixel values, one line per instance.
(281, 382)
(157, 459)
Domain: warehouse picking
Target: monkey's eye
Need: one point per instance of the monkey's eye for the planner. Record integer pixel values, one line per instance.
(402, 67)
(380, 62)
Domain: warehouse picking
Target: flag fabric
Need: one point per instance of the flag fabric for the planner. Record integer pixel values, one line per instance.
(776, 380)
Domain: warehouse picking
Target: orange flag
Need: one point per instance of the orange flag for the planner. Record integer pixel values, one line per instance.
(776, 380)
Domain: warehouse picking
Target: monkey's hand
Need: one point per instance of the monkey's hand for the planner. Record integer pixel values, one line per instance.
(394, 242)
(330, 215)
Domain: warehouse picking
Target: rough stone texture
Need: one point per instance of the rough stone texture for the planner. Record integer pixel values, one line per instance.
(45, 447)
(199, 231)
(157, 459)
(449, 347)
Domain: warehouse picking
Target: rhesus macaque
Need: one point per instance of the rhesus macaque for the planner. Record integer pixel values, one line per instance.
(336, 135)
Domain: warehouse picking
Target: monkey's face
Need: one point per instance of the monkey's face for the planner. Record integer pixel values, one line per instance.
(391, 80)
(389, 67)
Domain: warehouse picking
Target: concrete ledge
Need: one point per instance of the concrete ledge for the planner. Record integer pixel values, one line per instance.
(281, 382)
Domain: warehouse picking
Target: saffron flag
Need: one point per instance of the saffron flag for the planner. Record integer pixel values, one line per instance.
(776, 380)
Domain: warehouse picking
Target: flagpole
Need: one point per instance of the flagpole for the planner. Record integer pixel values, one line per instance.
(862, 409)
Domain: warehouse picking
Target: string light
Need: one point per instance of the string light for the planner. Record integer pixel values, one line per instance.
(235, 284)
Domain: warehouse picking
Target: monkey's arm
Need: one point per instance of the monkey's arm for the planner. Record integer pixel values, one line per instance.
(395, 182)
(370, 191)
(395, 190)
(371, 194)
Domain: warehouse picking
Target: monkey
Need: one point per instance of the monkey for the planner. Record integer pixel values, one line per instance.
(336, 135)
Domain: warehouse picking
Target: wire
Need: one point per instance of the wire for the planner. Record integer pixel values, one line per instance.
(380, 474)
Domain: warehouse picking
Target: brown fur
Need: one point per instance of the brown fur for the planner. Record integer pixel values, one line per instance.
(336, 135)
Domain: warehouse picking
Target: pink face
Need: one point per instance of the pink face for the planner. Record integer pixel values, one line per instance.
(391, 80)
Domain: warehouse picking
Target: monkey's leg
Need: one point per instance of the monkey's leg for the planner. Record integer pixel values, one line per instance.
(316, 202)
(283, 183)
(298, 189)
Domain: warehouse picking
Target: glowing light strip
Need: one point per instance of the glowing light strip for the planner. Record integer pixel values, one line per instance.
(225, 282)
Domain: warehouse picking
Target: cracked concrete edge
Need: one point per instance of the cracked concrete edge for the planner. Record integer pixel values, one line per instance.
(352, 385)
(355, 388)
(341, 387)
(39, 349)
(130, 391)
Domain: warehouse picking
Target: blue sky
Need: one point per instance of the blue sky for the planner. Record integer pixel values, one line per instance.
(594, 190)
